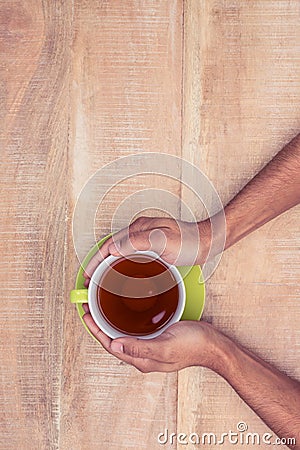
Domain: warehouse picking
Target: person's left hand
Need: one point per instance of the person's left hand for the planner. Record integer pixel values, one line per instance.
(175, 241)
(183, 344)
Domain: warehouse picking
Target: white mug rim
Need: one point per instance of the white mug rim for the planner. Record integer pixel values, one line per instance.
(101, 322)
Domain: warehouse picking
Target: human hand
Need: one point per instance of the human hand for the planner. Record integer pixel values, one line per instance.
(177, 242)
(183, 344)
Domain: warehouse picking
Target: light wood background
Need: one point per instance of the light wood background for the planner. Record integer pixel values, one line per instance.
(84, 82)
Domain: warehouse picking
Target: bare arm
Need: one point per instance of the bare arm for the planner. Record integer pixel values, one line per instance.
(271, 394)
(274, 190)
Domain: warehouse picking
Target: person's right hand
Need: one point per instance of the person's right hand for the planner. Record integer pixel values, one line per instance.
(177, 242)
(183, 344)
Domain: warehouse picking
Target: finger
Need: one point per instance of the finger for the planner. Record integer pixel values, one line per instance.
(101, 254)
(104, 340)
(122, 242)
(111, 245)
(86, 283)
(156, 349)
(152, 239)
(142, 223)
(144, 365)
(145, 223)
(85, 307)
(131, 243)
(95, 330)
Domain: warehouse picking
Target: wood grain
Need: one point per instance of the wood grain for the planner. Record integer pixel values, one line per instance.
(83, 83)
(34, 104)
(241, 105)
(126, 85)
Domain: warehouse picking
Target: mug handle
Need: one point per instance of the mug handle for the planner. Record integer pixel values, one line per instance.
(79, 296)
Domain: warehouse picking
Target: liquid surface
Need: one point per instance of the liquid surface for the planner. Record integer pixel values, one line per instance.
(143, 300)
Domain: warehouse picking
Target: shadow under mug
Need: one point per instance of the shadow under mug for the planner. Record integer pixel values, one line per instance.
(90, 296)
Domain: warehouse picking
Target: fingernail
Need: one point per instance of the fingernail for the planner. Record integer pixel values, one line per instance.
(117, 347)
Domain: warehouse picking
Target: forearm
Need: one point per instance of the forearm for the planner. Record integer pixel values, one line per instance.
(275, 189)
(271, 394)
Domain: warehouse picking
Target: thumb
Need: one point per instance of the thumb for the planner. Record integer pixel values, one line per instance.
(130, 243)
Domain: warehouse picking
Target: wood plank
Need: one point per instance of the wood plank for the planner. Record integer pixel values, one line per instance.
(34, 129)
(126, 95)
(241, 105)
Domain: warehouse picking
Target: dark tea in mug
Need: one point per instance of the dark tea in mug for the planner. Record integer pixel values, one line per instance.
(138, 295)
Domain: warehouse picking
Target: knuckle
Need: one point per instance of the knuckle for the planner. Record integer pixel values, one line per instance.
(133, 241)
(165, 221)
(121, 242)
(132, 234)
(135, 351)
(140, 220)
(141, 223)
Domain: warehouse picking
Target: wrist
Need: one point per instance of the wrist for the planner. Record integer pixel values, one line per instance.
(213, 237)
(238, 225)
(221, 352)
(205, 235)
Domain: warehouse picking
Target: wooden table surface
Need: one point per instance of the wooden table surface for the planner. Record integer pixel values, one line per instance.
(84, 82)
